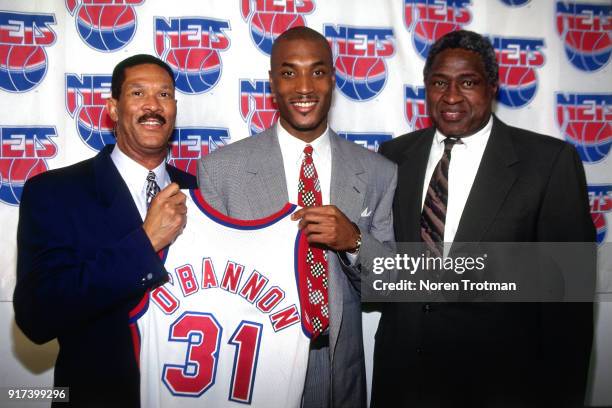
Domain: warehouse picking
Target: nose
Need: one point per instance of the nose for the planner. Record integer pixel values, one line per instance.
(304, 84)
(452, 93)
(151, 103)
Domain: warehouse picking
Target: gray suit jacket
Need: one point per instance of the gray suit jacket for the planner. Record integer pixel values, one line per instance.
(247, 180)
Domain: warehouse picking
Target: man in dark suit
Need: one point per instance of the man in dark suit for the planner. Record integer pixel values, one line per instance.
(88, 238)
(256, 176)
(503, 184)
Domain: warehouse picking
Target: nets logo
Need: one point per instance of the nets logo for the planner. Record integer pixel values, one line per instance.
(517, 59)
(359, 57)
(23, 61)
(270, 18)
(600, 198)
(416, 107)
(191, 45)
(256, 105)
(85, 102)
(429, 20)
(585, 120)
(515, 3)
(189, 144)
(371, 141)
(23, 154)
(586, 30)
(105, 25)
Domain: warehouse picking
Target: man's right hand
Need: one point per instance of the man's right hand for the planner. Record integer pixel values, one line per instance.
(166, 217)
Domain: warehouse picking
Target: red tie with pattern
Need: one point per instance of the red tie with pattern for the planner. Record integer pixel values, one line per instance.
(313, 275)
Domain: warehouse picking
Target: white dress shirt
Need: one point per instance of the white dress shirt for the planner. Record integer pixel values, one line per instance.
(135, 176)
(464, 163)
(292, 150)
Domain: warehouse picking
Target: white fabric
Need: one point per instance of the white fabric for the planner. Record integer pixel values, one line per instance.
(215, 316)
(292, 150)
(464, 163)
(135, 176)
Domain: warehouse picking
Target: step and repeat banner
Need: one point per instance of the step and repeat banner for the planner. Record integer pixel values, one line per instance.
(56, 59)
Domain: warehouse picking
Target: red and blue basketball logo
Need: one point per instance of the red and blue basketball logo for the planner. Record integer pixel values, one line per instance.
(23, 154)
(416, 107)
(191, 46)
(23, 61)
(256, 105)
(104, 25)
(86, 102)
(368, 140)
(515, 3)
(268, 19)
(586, 31)
(518, 59)
(429, 20)
(189, 144)
(585, 120)
(600, 198)
(359, 58)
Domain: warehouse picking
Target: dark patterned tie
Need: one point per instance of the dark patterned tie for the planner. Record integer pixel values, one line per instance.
(433, 216)
(313, 283)
(152, 188)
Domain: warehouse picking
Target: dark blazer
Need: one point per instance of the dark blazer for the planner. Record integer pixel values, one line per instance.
(83, 262)
(528, 188)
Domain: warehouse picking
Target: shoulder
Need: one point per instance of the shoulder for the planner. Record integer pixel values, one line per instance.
(240, 150)
(394, 148)
(530, 144)
(365, 157)
(75, 176)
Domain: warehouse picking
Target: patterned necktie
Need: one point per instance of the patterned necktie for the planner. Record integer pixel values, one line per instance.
(313, 283)
(433, 216)
(152, 188)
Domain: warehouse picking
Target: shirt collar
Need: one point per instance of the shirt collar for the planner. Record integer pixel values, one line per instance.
(321, 145)
(479, 138)
(134, 174)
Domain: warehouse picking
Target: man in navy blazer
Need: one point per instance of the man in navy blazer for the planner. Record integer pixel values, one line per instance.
(87, 243)
(505, 184)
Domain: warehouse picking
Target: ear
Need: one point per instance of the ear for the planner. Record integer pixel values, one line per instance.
(111, 107)
(333, 75)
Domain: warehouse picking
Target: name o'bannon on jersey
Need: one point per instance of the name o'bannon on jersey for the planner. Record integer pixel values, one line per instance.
(254, 290)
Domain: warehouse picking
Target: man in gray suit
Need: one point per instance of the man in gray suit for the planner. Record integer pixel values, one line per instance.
(256, 176)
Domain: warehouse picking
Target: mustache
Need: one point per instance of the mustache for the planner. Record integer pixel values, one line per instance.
(155, 116)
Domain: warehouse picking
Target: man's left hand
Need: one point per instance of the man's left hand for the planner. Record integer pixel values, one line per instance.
(327, 225)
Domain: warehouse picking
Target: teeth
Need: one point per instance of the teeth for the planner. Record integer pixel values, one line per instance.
(304, 104)
(150, 122)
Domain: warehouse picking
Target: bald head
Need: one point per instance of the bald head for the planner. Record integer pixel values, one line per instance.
(301, 33)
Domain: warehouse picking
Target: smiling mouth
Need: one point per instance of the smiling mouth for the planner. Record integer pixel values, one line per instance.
(304, 107)
(452, 116)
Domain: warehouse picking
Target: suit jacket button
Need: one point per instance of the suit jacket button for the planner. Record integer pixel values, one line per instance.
(426, 308)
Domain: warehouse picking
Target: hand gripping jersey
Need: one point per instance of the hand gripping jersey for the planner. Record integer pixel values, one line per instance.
(226, 330)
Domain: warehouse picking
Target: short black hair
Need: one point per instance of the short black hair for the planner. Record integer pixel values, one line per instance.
(139, 59)
(467, 40)
(302, 33)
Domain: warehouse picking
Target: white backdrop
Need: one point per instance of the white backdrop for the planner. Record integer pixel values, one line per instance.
(56, 59)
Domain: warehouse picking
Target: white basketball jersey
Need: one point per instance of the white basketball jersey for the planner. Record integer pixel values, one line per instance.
(226, 330)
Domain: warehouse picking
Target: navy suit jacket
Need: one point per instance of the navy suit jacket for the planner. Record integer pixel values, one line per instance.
(528, 188)
(83, 262)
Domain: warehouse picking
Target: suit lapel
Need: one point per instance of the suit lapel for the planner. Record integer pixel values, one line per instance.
(494, 178)
(113, 193)
(265, 184)
(409, 197)
(347, 192)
